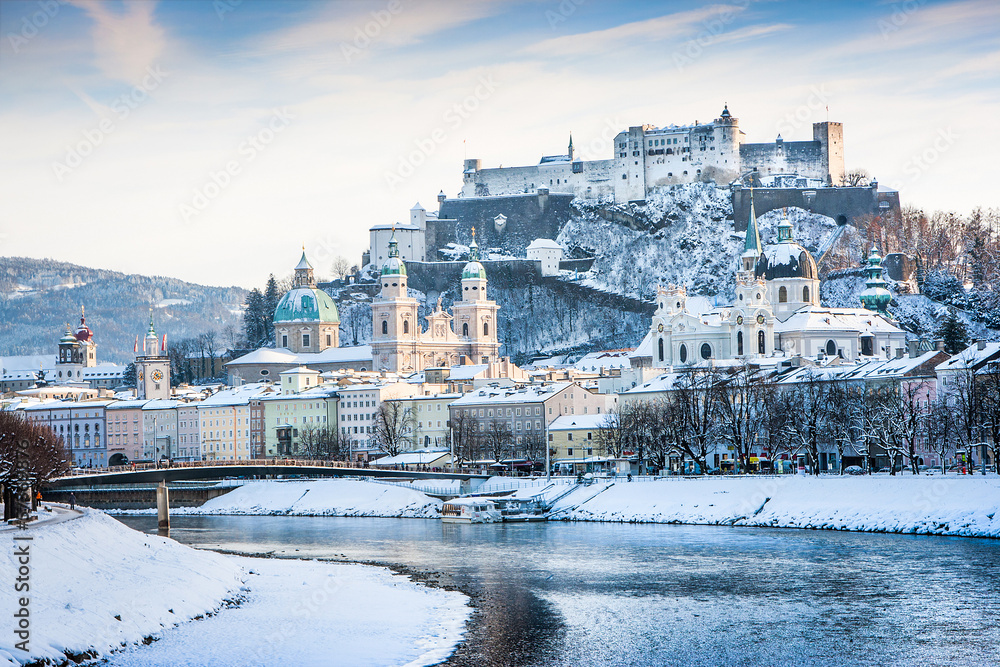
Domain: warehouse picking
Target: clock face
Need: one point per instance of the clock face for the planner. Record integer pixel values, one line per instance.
(660, 327)
(760, 318)
(157, 375)
(140, 376)
(739, 319)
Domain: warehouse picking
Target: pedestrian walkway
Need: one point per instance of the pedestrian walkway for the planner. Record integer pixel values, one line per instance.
(58, 514)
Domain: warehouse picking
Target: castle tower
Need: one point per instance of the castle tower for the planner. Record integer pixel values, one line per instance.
(831, 140)
(875, 296)
(475, 316)
(395, 325)
(152, 367)
(306, 318)
(726, 136)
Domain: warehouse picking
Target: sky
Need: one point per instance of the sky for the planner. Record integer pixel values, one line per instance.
(212, 140)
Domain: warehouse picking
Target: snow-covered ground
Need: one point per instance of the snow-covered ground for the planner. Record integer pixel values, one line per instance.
(939, 505)
(324, 497)
(97, 586)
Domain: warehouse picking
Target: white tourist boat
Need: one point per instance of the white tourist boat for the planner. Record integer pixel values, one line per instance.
(470, 510)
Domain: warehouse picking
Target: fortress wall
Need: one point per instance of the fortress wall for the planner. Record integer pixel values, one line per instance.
(501, 181)
(528, 216)
(805, 158)
(845, 205)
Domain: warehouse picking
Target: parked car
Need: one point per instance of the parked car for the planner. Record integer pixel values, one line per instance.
(854, 470)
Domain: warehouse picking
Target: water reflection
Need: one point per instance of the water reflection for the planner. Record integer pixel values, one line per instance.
(613, 594)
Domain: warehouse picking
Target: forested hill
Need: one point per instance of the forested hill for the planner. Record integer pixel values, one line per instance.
(39, 296)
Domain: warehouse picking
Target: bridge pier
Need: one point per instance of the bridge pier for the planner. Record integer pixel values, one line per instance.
(163, 508)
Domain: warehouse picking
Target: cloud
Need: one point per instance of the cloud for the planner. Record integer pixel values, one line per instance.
(682, 24)
(124, 43)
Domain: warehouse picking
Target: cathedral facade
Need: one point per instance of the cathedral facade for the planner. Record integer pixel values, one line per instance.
(776, 312)
(467, 335)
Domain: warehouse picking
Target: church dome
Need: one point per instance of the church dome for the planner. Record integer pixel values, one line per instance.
(306, 304)
(474, 270)
(68, 337)
(786, 258)
(394, 266)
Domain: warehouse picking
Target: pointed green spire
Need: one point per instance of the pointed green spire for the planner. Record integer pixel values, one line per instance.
(753, 234)
(473, 248)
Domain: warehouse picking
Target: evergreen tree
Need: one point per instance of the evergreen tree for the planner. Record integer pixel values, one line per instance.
(253, 319)
(128, 376)
(952, 332)
(271, 298)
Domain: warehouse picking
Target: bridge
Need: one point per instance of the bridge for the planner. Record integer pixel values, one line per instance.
(206, 470)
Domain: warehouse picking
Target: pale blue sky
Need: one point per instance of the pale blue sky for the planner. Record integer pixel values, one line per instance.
(121, 120)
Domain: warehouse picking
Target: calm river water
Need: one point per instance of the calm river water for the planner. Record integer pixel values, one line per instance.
(578, 594)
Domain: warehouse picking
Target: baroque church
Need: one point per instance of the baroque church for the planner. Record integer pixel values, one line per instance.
(466, 336)
(776, 313)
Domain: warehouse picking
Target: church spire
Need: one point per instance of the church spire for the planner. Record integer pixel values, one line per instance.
(473, 248)
(752, 243)
(570, 151)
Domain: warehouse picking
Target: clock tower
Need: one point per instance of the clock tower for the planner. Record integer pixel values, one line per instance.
(152, 366)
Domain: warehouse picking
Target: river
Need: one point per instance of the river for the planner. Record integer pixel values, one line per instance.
(579, 594)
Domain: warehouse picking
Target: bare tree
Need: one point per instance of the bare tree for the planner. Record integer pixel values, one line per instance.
(804, 418)
(610, 435)
(699, 411)
(857, 178)
(341, 268)
(30, 454)
(393, 428)
(844, 410)
(990, 402)
(742, 401)
(498, 440)
(465, 437)
(942, 426)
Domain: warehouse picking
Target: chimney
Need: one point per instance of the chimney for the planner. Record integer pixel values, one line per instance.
(912, 348)
(981, 345)
(899, 353)
(939, 345)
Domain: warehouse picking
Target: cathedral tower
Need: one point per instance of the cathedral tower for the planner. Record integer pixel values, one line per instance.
(475, 315)
(395, 328)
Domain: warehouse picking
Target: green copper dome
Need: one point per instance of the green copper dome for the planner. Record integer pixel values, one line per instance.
(306, 304)
(474, 270)
(394, 266)
(875, 296)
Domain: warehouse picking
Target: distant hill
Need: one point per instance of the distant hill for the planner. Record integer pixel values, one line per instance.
(39, 296)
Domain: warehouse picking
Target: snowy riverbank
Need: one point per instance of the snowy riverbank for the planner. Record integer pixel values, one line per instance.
(940, 505)
(322, 497)
(97, 586)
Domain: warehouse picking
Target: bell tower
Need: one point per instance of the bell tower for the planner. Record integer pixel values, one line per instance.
(395, 325)
(475, 315)
(152, 367)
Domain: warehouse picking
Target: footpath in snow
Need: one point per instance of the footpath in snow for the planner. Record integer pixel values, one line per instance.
(322, 497)
(97, 586)
(934, 505)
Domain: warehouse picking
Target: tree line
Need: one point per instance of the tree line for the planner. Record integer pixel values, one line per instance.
(748, 413)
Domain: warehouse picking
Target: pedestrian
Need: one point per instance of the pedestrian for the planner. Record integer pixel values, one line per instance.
(38, 499)
(72, 500)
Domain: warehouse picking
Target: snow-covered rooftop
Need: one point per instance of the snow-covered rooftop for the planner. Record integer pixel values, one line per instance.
(529, 394)
(574, 422)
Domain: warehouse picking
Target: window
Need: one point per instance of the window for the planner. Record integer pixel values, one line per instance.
(305, 340)
(486, 328)
(760, 342)
(385, 327)
(660, 347)
(706, 351)
(805, 294)
(683, 353)
(329, 340)
(569, 451)
(406, 326)
(569, 436)
(782, 295)
(465, 329)
(284, 340)
(831, 348)
(739, 343)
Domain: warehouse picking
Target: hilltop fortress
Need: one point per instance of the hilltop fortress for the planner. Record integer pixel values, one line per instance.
(647, 156)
